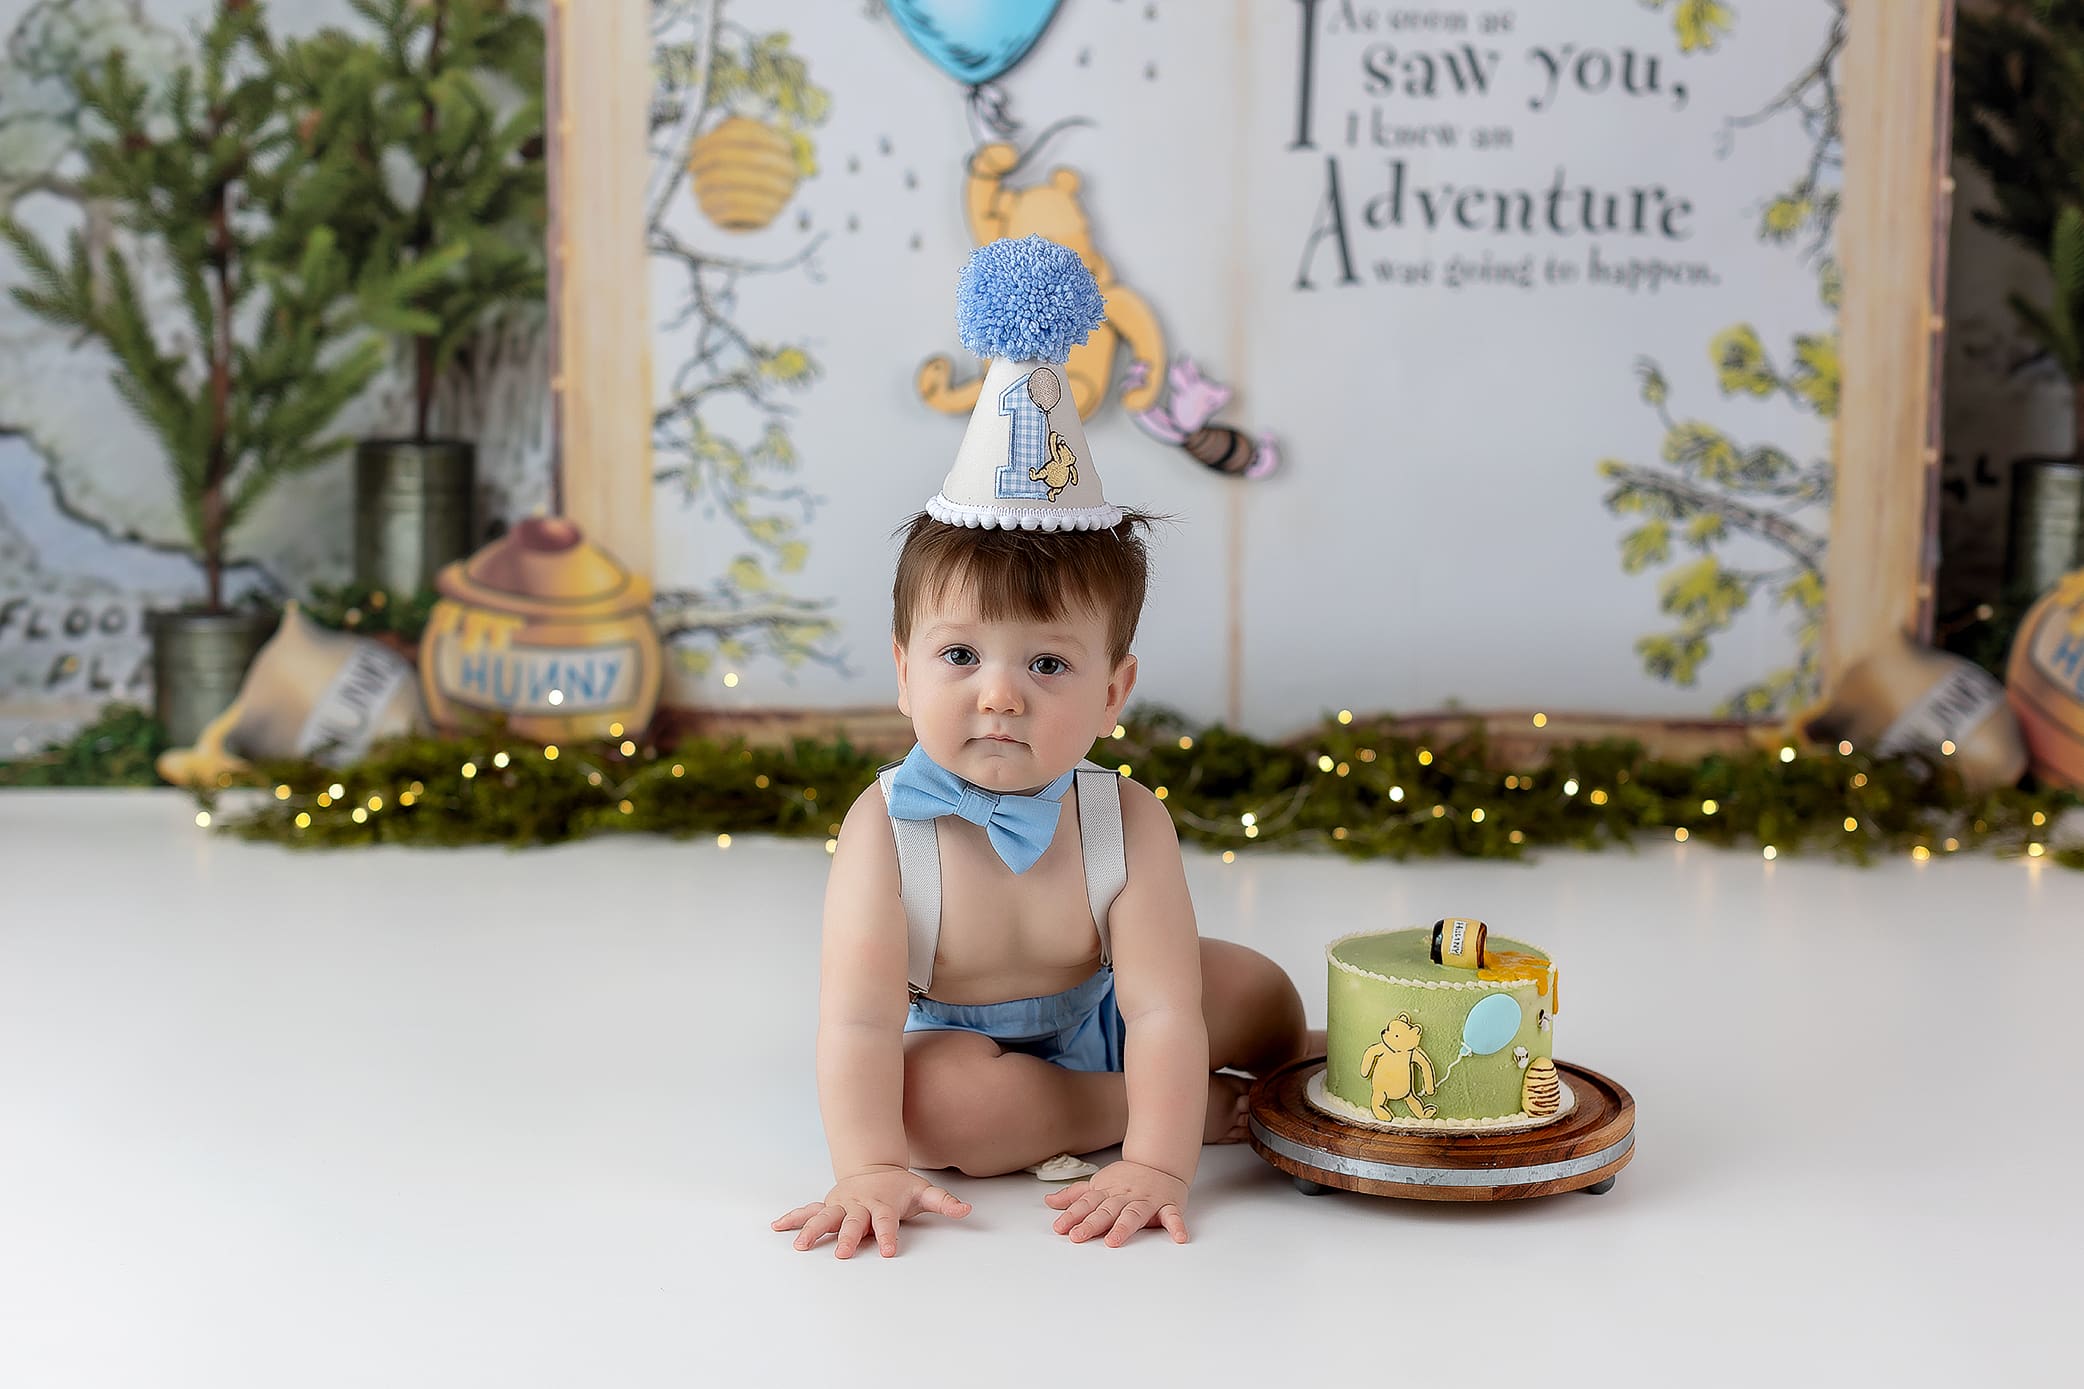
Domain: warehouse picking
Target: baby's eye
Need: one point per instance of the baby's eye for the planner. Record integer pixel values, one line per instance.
(959, 656)
(1048, 665)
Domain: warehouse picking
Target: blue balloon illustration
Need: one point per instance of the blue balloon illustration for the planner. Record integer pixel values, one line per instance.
(973, 41)
(1491, 1024)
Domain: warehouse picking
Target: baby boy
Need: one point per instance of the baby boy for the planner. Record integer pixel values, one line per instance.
(1060, 997)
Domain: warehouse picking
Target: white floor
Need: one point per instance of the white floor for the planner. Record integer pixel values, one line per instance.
(488, 1118)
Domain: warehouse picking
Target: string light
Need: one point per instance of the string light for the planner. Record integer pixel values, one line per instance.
(1570, 787)
(1186, 744)
(1229, 856)
(1517, 836)
(760, 781)
(1338, 832)
(376, 803)
(1845, 748)
(1946, 747)
(303, 819)
(1921, 853)
(1251, 831)
(1851, 824)
(629, 749)
(1680, 834)
(1367, 754)
(550, 753)
(1343, 768)
(1345, 716)
(405, 799)
(1541, 720)
(832, 846)
(1324, 764)
(1425, 757)
(1248, 819)
(202, 819)
(1438, 811)
(325, 799)
(282, 793)
(2039, 818)
(679, 769)
(361, 816)
(337, 791)
(730, 679)
(500, 759)
(1787, 754)
(593, 778)
(1476, 815)
(1598, 797)
(1952, 844)
(1709, 807)
(626, 808)
(810, 793)
(1123, 769)
(2036, 849)
(557, 696)
(1771, 853)
(1120, 732)
(470, 769)
(1160, 792)
(1396, 793)
(1859, 779)
(614, 730)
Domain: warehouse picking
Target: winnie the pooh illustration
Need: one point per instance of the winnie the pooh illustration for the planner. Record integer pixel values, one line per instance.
(1052, 209)
(1388, 1063)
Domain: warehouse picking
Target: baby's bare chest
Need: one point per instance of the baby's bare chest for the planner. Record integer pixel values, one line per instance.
(1008, 935)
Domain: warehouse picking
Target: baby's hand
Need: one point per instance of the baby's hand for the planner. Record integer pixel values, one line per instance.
(878, 1199)
(1121, 1198)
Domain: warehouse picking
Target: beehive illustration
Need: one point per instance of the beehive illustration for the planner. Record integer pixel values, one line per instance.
(1541, 1093)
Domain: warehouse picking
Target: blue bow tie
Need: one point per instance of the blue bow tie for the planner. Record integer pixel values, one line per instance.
(1019, 827)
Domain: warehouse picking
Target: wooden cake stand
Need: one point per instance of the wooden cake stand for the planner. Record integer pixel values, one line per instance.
(1579, 1152)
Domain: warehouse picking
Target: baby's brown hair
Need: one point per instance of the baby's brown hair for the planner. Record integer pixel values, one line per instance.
(1028, 576)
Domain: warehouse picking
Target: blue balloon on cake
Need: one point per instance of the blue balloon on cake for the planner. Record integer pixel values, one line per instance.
(1491, 1024)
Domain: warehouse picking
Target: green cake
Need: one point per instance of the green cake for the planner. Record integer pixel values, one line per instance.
(1453, 1036)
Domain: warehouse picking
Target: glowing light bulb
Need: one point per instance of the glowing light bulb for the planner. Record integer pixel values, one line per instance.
(1541, 720)
(500, 759)
(557, 696)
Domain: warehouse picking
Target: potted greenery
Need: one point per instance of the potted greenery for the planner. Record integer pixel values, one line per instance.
(2019, 117)
(424, 138)
(197, 175)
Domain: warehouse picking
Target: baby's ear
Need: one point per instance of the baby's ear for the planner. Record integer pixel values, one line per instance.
(904, 695)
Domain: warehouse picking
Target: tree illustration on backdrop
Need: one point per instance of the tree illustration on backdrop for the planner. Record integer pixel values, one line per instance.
(1711, 488)
(732, 112)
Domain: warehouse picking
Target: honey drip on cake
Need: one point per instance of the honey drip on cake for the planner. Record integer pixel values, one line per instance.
(1517, 964)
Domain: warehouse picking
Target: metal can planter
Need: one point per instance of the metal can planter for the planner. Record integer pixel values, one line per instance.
(413, 510)
(198, 661)
(543, 630)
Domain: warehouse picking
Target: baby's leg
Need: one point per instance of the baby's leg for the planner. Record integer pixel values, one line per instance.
(970, 1106)
(1254, 1014)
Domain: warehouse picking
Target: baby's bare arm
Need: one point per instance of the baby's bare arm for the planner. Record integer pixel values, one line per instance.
(862, 997)
(861, 1011)
(1157, 960)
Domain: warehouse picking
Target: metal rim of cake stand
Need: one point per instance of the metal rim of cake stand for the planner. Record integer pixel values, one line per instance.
(1328, 1161)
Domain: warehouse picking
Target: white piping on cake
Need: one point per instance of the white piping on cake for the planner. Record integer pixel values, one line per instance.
(1337, 963)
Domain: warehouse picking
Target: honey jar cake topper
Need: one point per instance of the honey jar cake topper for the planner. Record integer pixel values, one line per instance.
(1024, 464)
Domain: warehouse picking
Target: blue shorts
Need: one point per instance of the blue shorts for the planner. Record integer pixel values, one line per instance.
(1079, 1029)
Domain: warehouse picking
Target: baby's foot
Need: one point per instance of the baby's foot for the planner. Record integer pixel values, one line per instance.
(1228, 1107)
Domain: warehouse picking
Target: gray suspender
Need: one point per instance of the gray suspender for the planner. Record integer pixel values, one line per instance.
(919, 867)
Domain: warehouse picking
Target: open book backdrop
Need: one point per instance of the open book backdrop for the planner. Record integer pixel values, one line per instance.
(1485, 353)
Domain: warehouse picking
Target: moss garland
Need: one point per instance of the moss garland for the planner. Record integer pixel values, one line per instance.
(1354, 788)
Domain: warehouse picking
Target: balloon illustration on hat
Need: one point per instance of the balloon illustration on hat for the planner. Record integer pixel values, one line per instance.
(1024, 463)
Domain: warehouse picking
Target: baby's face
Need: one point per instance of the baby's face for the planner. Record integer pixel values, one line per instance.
(1009, 706)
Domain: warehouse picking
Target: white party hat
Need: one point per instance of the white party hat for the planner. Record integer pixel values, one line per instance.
(1024, 463)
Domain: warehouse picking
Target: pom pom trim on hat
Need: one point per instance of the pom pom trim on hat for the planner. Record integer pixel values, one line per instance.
(1020, 518)
(1026, 299)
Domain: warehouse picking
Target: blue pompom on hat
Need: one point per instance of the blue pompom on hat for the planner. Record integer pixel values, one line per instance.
(1024, 463)
(1029, 299)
